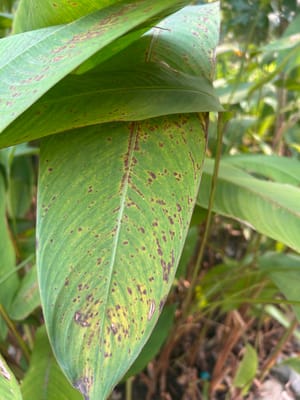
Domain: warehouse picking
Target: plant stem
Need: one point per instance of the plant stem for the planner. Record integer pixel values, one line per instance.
(16, 334)
(129, 388)
(187, 302)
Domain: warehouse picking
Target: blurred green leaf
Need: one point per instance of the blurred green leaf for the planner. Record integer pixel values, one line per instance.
(20, 187)
(293, 362)
(284, 270)
(280, 169)
(27, 298)
(155, 342)
(44, 379)
(271, 208)
(188, 250)
(247, 369)
(9, 286)
(5, 20)
(9, 387)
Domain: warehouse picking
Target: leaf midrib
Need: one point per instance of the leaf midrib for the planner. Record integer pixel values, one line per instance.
(134, 89)
(124, 190)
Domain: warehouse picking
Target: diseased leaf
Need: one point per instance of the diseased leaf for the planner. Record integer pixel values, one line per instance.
(46, 13)
(106, 268)
(271, 208)
(35, 61)
(185, 41)
(9, 387)
(44, 379)
(144, 92)
(146, 80)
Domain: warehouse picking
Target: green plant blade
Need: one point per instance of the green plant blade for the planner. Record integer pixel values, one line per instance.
(132, 85)
(45, 380)
(247, 369)
(8, 286)
(185, 41)
(155, 342)
(105, 270)
(27, 298)
(144, 92)
(20, 187)
(9, 387)
(35, 61)
(278, 169)
(269, 207)
(284, 271)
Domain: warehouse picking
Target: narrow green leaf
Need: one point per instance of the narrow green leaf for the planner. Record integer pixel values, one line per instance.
(279, 169)
(269, 207)
(7, 260)
(247, 368)
(144, 92)
(27, 298)
(45, 380)
(32, 62)
(106, 268)
(20, 187)
(283, 43)
(284, 271)
(9, 387)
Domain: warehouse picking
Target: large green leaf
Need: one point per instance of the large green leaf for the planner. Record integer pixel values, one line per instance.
(144, 92)
(32, 62)
(269, 207)
(132, 85)
(8, 276)
(45, 380)
(185, 41)
(114, 206)
(9, 387)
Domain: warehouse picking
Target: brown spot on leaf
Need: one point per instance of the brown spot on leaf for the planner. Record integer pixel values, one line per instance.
(81, 319)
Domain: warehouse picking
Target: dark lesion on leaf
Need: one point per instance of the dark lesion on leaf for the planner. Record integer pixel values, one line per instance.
(82, 319)
(84, 385)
